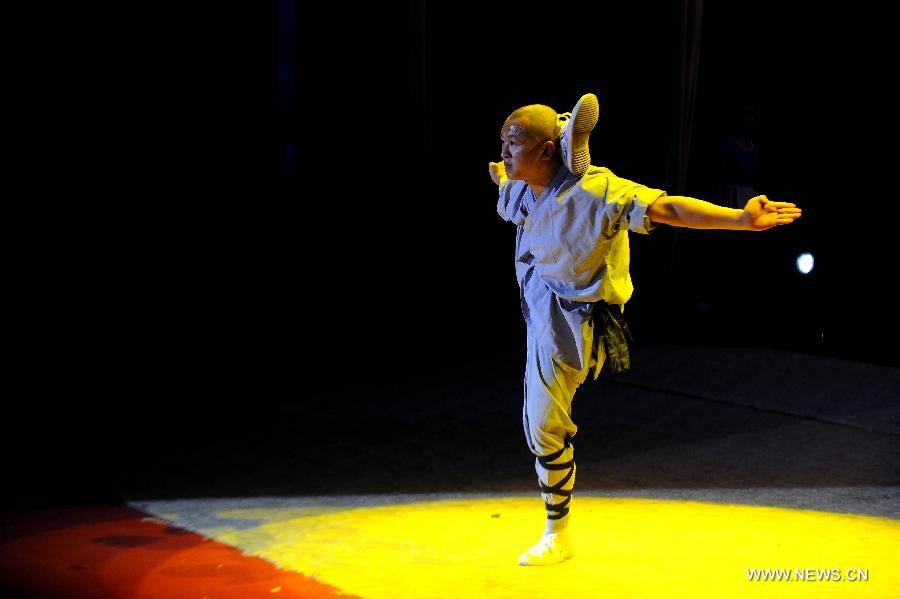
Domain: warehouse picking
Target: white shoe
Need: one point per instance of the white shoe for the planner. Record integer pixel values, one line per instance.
(553, 548)
(573, 139)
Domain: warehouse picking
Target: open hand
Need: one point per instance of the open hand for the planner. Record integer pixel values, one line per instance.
(498, 172)
(760, 213)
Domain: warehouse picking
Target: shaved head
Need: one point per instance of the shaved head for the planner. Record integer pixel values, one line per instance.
(529, 149)
(536, 121)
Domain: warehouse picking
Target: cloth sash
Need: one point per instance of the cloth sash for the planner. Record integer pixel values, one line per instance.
(611, 337)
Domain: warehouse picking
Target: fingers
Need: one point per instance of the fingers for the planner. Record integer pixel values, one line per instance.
(771, 206)
(781, 208)
(785, 219)
(784, 210)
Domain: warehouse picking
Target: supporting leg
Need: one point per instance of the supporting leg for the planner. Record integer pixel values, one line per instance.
(547, 418)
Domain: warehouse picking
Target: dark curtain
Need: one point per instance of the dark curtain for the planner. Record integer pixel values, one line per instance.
(686, 74)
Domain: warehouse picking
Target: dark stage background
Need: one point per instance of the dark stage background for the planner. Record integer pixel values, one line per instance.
(299, 198)
(393, 115)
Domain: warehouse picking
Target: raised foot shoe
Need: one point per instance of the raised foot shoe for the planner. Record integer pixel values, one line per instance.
(573, 141)
(553, 548)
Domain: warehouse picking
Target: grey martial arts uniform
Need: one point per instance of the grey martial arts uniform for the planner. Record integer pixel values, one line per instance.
(571, 251)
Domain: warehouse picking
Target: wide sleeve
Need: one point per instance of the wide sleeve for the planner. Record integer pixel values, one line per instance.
(511, 203)
(627, 203)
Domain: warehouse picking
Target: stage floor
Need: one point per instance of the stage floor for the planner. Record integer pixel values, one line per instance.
(695, 471)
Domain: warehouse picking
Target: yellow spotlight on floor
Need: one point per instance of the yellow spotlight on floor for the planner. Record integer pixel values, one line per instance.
(624, 548)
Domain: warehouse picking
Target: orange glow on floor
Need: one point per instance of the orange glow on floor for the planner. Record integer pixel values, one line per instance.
(117, 552)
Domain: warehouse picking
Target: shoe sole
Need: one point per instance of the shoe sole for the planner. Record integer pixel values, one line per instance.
(568, 557)
(584, 118)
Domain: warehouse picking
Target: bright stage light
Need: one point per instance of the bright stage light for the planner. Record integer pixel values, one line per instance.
(805, 263)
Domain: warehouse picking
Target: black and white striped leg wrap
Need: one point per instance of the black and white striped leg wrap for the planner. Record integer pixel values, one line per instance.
(554, 482)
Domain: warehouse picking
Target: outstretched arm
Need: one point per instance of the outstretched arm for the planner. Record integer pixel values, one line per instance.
(758, 215)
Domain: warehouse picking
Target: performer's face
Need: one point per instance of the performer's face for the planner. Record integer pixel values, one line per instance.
(520, 151)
